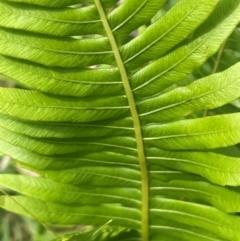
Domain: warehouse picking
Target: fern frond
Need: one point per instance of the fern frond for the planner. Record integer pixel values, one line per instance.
(101, 118)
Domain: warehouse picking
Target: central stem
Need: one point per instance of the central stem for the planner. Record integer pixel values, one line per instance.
(136, 121)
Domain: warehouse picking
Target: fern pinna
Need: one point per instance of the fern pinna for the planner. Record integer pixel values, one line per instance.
(107, 121)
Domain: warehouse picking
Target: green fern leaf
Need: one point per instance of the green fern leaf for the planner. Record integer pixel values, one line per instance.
(100, 116)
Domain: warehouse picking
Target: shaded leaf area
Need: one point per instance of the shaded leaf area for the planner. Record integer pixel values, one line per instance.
(102, 119)
(102, 233)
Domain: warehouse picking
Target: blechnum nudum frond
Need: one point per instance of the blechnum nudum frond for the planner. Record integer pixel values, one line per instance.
(107, 121)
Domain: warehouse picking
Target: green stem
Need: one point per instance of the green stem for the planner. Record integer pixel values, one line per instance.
(215, 68)
(136, 120)
(220, 52)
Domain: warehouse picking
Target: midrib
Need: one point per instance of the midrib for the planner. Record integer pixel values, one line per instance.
(136, 121)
